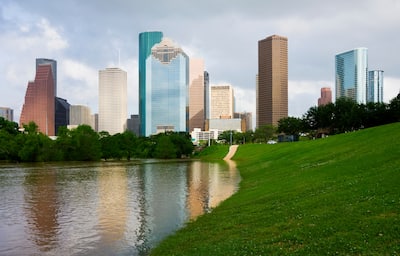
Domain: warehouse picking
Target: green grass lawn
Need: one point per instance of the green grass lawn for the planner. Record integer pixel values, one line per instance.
(334, 196)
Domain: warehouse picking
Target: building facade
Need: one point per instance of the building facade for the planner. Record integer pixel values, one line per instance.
(61, 113)
(351, 70)
(39, 104)
(375, 86)
(272, 81)
(133, 124)
(79, 114)
(221, 102)
(146, 41)
(113, 105)
(7, 113)
(196, 94)
(166, 85)
(326, 96)
(53, 63)
(206, 95)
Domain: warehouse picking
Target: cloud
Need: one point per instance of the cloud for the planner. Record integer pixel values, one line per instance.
(391, 88)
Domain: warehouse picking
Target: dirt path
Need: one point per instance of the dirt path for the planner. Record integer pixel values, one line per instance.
(231, 153)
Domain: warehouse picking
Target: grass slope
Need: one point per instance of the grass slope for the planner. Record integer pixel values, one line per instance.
(334, 196)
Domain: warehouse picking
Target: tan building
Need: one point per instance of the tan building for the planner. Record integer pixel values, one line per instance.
(79, 114)
(326, 96)
(196, 94)
(272, 82)
(222, 102)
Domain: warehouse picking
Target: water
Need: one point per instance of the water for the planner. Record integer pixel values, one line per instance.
(111, 208)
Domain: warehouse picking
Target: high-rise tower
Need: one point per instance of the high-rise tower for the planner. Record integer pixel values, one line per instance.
(326, 96)
(272, 81)
(351, 70)
(375, 86)
(53, 63)
(112, 100)
(166, 100)
(146, 41)
(39, 105)
(196, 94)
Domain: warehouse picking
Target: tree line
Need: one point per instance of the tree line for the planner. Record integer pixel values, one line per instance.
(342, 116)
(84, 144)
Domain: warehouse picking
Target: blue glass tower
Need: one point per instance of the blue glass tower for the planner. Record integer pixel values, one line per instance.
(167, 80)
(351, 74)
(375, 86)
(146, 41)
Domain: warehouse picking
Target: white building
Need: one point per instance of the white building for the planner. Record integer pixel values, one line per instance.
(112, 100)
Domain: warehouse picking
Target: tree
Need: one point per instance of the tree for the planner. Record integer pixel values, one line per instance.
(164, 149)
(291, 125)
(264, 133)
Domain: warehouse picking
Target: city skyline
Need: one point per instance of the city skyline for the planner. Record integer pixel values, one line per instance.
(41, 29)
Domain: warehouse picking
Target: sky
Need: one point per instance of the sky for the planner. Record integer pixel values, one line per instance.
(87, 36)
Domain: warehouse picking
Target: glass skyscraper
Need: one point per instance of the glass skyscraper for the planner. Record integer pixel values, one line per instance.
(375, 86)
(351, 74)
(165, 100)
(146, 41)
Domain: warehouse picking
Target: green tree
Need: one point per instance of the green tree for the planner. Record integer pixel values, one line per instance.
(164, 149)
(291, 125)
(264, 133)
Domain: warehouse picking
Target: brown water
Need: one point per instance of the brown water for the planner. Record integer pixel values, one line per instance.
(112, 208)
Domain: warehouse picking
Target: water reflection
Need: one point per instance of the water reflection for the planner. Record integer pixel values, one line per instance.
(106, 208)
(41, 209)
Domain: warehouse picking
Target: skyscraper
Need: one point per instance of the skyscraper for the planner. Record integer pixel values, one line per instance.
(61, 113)
(146, 41)
(196, 94)
(222, 102)
(166, 86)
(326, 96)
(39, 105)
(53, 63)
(375, 86)
(351, 74)
(272, 82)
(206, 95)
(112, 100)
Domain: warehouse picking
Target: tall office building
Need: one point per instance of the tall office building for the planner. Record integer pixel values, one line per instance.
(7, 113)
(196, 94)
(61, 113)
(39, 105)
(272, 82)
(222, 102)
(79, 114)
(146, 41)
(167, 81)
(351, 74)
(206, 95)
(326, 96)
(375, 86)
(113, 105)
(53, 63)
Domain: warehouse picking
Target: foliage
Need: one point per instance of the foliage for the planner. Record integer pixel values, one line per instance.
(318, 197)
(264, 133)
(291, 125)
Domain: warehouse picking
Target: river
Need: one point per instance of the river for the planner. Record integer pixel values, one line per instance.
(105, 208)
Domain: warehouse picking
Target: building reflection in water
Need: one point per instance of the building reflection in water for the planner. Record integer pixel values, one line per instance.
(209, 184)
(113, 203)
(41, 208)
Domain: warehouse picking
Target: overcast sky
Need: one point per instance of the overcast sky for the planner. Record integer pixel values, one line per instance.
(86, 36)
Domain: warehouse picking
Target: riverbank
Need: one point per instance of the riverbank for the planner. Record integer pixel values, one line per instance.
(338, 195)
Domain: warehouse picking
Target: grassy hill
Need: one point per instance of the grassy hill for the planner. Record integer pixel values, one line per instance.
(334, 196)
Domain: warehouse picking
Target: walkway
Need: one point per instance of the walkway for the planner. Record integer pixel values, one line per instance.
(231, 153)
